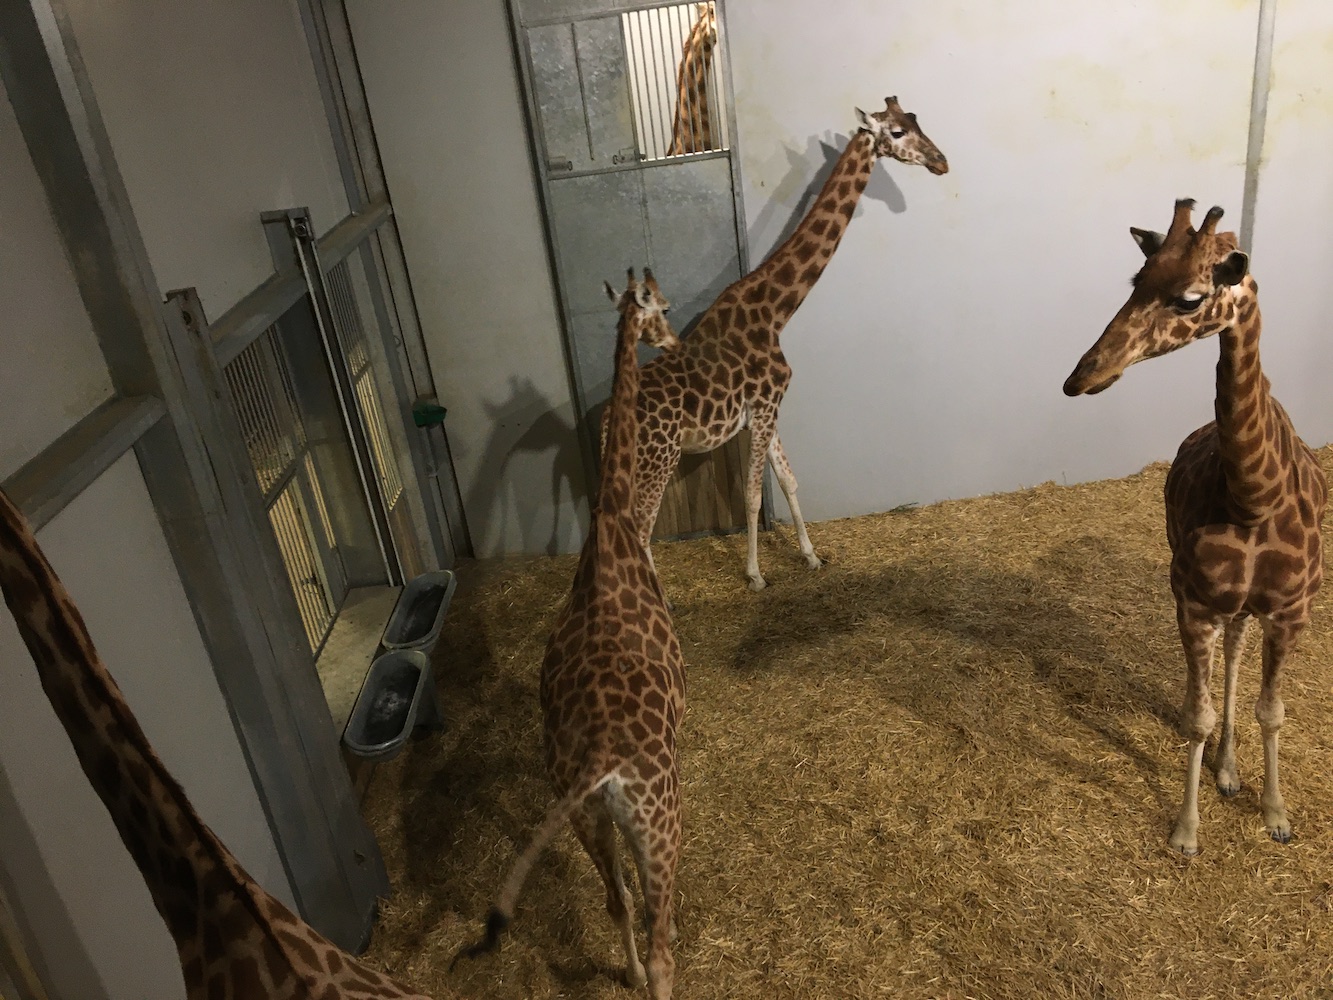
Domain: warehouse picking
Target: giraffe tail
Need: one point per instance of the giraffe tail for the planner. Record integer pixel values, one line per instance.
(597, 772)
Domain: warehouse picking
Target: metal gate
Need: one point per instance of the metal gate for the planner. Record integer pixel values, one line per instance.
(308, 363)
(631, 112)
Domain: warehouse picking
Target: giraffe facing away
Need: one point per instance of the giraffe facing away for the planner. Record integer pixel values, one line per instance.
(234, 940)
(613, 691)
(692, 130)
(730, 370)
(1244, 497)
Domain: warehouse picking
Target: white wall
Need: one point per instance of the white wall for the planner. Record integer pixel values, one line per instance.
(214, 113)
(214, 116)
(444, 94)
(146, 634)
(1293, 238)
(957, 305)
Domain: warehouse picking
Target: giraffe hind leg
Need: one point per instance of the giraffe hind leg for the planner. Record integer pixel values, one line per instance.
(597, 833)
(1279, 640)
(656, 850)
(1233, 645)
(787, 480)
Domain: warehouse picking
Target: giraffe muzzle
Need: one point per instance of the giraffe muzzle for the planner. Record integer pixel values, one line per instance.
(1084, 380)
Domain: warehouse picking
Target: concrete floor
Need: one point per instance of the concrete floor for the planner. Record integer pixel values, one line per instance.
(351, 646)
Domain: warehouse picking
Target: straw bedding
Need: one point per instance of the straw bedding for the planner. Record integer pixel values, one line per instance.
(944, 766)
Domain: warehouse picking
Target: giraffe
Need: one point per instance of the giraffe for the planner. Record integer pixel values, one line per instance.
(234, 940)
(1244, 497)
(730, 370)
(613, 692)
(692, 131)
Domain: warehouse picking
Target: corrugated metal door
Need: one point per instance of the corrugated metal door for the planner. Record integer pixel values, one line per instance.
(603, 99)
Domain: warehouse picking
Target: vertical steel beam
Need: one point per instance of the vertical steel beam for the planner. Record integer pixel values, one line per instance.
(1254, 151)
(261, 660)
(329, 36)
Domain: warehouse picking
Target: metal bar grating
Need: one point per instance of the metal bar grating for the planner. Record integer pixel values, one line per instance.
(352, 336)
(264, 400)
(347, 318)
(265, 405)
(671, 120)
(286, 515)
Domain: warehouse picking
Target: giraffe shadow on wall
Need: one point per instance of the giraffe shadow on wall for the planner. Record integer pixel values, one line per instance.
(526, 428)
(799, 185)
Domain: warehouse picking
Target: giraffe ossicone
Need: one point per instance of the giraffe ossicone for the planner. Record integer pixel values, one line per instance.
(1244, 497)
(730, 372)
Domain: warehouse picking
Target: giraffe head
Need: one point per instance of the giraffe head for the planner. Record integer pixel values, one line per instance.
(704, 31)
(643, 303)
(898, 135)
(1186, 290)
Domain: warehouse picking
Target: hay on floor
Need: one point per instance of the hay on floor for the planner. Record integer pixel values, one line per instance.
(944, 766)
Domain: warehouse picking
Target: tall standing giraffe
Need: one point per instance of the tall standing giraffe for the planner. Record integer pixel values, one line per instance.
(730, 370)
(1244, 498)
(692, 131)
(234, 940)
(613, 690)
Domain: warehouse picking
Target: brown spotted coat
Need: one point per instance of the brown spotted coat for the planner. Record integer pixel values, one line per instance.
(730, 370)
(234, 940)
(692, 130)
(1244, 497)
(613, 690)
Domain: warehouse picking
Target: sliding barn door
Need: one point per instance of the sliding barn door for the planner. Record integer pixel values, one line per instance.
(601, 82)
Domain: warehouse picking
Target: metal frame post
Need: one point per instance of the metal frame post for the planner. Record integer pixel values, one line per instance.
(328, 34)
(262, 663)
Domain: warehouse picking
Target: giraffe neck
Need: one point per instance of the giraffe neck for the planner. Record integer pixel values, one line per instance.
(693, 130)
(615, 494)
(792, 270)
(1245, 411)
(181, 860)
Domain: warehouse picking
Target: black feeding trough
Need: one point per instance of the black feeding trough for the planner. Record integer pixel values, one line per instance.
(398, 694)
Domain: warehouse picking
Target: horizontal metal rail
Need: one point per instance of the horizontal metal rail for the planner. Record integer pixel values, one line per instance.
(242, 324)
(47, 484)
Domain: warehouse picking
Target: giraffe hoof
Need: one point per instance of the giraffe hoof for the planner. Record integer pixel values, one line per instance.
(814, 562)
(1228, 787)
(1281, 834)
(1184, 844)
(758, 583)
(635, 978)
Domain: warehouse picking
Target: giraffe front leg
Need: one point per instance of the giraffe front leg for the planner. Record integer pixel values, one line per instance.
(787, 480)
(762, 427)
(1198, 636)
(1279, 640)
(655, 468)
(1233, 645)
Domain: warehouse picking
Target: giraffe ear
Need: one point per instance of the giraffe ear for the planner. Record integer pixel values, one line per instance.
(1149, 242)
(643, 295)
(1232, 269)
(610, 292)
(867, 123)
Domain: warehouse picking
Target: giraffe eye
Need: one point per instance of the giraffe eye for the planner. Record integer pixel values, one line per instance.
(1188, 303)
(897, 133)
